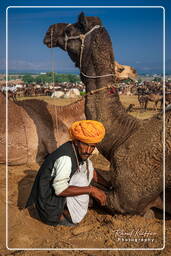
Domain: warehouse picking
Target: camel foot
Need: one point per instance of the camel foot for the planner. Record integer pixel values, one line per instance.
(149, 214)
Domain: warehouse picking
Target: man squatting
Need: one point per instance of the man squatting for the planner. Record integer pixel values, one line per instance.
(62, 187)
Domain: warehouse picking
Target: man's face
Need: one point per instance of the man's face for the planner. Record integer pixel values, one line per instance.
(85, 150)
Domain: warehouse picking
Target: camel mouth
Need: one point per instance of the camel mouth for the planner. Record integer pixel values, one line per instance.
(47, 42)
(49, 45)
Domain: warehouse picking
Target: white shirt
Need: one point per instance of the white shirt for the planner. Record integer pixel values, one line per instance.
(77, 205)
(61, 170)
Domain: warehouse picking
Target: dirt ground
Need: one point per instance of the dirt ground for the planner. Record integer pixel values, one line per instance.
(99, 229)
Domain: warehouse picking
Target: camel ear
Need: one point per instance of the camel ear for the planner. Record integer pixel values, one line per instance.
(83, 21)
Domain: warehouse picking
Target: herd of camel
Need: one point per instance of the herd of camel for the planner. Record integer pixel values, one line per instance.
(155, 98)
(139, 151)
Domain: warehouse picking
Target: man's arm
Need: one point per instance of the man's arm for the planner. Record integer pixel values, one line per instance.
(75, 191)
(92, 191)
(100, 180)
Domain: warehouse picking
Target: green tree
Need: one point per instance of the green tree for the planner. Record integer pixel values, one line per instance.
(73, 78)
(50, 76)
(28, 79)
(157, 79)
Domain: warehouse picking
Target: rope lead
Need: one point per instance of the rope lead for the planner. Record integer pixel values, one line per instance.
(53, 82)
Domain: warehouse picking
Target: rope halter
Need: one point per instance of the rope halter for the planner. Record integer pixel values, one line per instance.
(79, 37)
(82, 37)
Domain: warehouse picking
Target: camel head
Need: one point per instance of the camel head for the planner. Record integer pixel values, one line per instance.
(55, 35)
(59, 35)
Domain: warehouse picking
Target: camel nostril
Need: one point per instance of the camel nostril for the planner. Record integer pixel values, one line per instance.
(47, 42)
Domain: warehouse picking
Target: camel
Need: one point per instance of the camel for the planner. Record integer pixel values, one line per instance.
(143, 101)
(145, 98)
(133, 147)
(156, 98)
(124, 72)
(130, 108)
(168, 98)
(11, 95)
(35, 129)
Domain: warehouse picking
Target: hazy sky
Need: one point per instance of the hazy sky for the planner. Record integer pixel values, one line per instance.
(136, 33)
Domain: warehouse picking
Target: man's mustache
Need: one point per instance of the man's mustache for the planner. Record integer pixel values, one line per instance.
(85, 154)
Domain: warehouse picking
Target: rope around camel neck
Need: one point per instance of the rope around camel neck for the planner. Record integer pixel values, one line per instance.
(53, 81)
(82, 38)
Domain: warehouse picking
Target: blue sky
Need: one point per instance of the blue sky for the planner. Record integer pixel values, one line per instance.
(136, 33)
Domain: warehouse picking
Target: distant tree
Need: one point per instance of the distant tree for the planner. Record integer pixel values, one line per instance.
(11, 77)
(28, 79)
(41, 79)
(73, 78)
(59, 78)
(127, 81)
(157, 79)
(49, 77)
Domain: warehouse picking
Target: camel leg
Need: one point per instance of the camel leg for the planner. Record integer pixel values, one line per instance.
(114, 205)
(158, 203)
(142, 106)
(145, 105)
(155, 105)
(14, 98)
(168, 201)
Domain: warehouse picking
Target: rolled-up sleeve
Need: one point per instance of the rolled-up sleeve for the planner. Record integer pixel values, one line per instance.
(61, 171)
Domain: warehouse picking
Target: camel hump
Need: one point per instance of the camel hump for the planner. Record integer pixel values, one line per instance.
(17, 150)
(33, 104)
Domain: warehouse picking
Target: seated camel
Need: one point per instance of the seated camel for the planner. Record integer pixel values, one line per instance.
(35, 129)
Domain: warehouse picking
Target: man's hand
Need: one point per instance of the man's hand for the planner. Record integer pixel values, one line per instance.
(98, 194)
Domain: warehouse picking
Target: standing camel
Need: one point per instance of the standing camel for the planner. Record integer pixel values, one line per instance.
(167, 98)
(143, 100)
(156, 98)
(134, 147)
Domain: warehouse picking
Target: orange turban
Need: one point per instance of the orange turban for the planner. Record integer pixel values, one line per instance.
(87, 131)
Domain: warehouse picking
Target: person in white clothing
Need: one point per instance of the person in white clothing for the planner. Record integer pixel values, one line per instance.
(62, 187)
(77, 189)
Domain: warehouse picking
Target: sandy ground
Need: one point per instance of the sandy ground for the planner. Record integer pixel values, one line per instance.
(99, 230)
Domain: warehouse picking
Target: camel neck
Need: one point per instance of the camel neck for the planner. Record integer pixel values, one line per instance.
(107, 108)
(98, 61)
(103, 106)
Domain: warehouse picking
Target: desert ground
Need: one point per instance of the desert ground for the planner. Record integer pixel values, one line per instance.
(98, 234)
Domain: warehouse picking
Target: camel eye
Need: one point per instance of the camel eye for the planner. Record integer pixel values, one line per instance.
(68, 32)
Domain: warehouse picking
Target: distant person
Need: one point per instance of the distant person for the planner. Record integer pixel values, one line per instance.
(62, 187)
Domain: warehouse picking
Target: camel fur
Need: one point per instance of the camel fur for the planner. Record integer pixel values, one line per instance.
(35, 129)
(133, 147)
